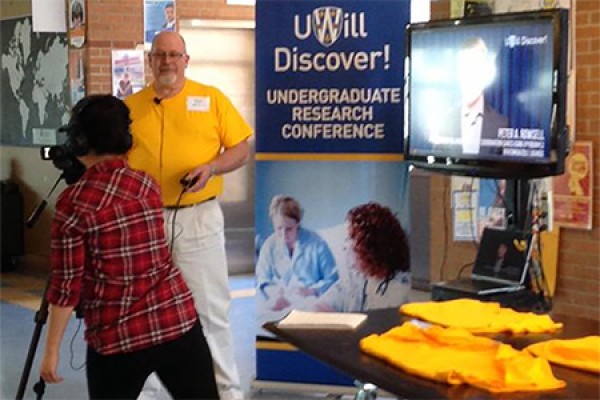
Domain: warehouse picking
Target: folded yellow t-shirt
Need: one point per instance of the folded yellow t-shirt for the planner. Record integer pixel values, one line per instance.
(479, 316)
(455, 356)
(582, 353)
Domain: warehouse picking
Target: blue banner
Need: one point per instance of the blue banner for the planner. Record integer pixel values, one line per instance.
(329, 143)
(330, 76)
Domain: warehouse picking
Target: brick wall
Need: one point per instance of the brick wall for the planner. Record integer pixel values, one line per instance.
(119, 24)
(578, 289)
(578, 285)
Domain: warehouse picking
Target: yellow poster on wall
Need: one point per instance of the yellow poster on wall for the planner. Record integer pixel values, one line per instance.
(573, 190)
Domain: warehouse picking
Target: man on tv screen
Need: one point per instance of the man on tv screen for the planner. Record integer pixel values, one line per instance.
(472, 128)
(479, 121)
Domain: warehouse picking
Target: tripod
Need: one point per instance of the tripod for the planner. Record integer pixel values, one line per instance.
(41, 316)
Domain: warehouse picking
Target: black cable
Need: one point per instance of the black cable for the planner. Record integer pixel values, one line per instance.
(72, 351)
(460, 271)
(542, 286)
(173, 219)
(445, 249)
(528, 214)
(472, 211)
(157, 101)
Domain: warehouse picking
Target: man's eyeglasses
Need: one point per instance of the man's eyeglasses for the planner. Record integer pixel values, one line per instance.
(173, 55)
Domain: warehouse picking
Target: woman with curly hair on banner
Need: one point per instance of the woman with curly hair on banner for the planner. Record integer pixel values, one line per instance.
(378, 263)
(295, 265)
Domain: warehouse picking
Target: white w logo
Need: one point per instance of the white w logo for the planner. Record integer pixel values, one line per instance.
(327, 24)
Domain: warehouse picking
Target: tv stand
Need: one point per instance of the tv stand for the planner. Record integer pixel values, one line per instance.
(516, 196)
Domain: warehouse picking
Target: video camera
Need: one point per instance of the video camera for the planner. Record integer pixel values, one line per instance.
(64, 160)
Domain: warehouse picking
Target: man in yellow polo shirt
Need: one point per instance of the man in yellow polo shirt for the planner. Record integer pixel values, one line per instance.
(184, 129)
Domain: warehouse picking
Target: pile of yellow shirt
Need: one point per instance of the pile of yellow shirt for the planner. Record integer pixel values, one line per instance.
(455, 356)
(479, 317)
(582, 353)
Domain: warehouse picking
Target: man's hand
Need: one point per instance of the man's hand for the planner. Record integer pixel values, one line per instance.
(229, 160)
(203, 173)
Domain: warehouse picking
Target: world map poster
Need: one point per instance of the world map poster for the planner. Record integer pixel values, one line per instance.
(33, 84)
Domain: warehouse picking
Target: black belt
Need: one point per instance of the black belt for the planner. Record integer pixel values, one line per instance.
(189, 205)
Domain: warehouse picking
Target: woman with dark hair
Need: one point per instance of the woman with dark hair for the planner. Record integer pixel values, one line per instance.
(378, 262)
(110, 256)
(381, 253)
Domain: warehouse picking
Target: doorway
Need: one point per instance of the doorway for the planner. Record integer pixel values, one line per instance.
(222, 55)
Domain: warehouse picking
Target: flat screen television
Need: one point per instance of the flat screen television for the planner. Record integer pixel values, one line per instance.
(486, 95)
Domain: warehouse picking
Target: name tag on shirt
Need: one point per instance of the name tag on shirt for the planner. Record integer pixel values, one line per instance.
(198, 103)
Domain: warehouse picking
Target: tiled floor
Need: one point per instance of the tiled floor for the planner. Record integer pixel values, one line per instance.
(25, 291)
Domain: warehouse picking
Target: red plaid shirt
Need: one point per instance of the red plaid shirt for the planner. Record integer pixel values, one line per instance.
(109, 251)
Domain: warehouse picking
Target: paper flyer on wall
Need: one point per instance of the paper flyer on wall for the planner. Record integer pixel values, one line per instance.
(464, 192)
(464, 209)
(47, 15)
(491, 207)
(159, 15)
(477, 204)
(76, 21)
(77, 74)
(127, 72)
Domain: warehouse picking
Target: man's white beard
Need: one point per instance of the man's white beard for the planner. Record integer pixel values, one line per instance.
(168, 79)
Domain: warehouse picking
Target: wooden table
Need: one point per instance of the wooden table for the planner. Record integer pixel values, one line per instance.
(340, 349)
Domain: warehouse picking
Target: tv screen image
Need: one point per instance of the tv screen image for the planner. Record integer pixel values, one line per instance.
(486, 96)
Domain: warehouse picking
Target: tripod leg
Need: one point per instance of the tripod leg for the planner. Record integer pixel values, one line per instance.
(41, 316)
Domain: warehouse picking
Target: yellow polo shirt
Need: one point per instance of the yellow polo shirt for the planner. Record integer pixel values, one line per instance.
(175, 136)
(455, 356)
